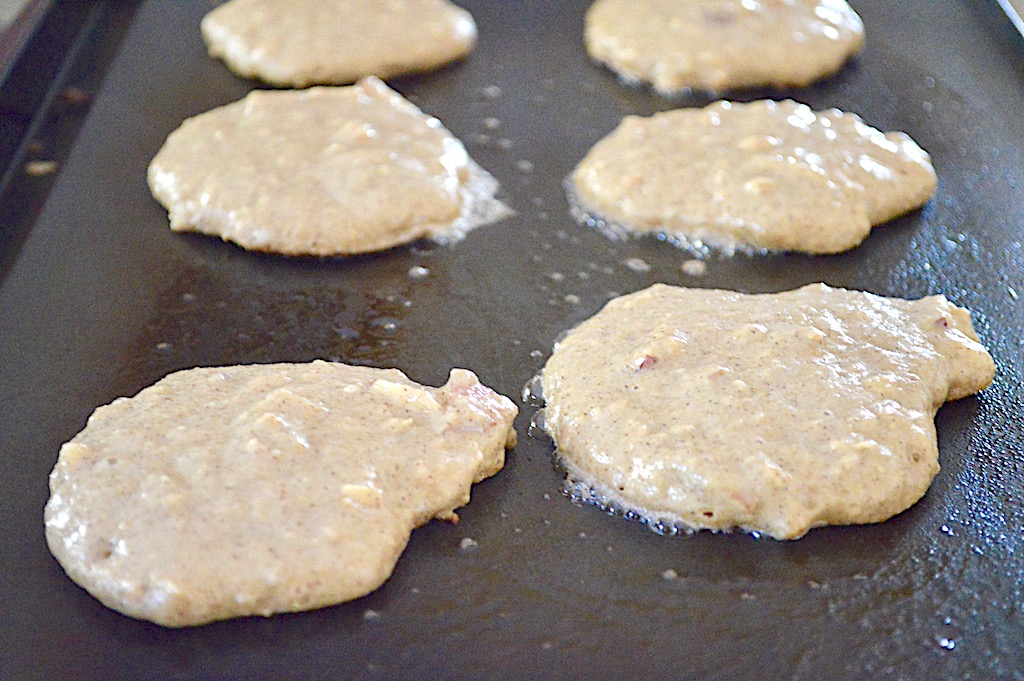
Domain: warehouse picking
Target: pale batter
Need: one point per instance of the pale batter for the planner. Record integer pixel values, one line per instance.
(679, 45)
(251, 490)
(335, 42)
(760, 176)
(710, 409)
(324, 171)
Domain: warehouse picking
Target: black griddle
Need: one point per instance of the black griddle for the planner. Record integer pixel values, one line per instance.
(101, 300)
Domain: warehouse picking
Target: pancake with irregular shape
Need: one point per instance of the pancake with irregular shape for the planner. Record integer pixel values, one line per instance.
(250, 490)
(708, 409)
(760, 176)
(682, 45)
(336, 42)
(324, 171)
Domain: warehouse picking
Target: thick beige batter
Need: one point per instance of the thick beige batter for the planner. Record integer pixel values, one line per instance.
(251, 490)
(335, 42)
(772, 413)
(324, 171)
(764, 175)
(723, 44)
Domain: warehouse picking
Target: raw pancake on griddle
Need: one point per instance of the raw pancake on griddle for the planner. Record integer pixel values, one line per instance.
(765, 175)
(250, 490)
(682, 45)
(324, 171)
(709, 409)
(336, 42)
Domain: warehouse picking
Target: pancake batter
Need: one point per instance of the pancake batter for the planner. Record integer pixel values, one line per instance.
(760, 176)
(250, 490)
(336, 42)
(324, 171)
(708, 409)
(680, 45)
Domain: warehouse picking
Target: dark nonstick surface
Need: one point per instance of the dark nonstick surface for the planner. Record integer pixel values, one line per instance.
(103, 300)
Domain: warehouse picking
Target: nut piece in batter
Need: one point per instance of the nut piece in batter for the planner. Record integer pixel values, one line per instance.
(760, 176)
(336, 42)
(682, 45)
(250, 490)
(324, 171)
(707, 409)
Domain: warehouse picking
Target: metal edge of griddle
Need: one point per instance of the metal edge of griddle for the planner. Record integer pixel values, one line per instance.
(16, 34)
(1014, 15)
(45, 96)
(1005, 19)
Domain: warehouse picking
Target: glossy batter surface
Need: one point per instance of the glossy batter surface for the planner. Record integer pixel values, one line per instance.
(679, 45)
(335, 42)
(251, 490)
(760, 176)
(324, 171)
(710, 409)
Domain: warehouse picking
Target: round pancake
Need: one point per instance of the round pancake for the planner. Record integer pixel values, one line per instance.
(681, 45)
(765, 175)
(707, 409)
(336, 42)
(324, 171)
(250, 490)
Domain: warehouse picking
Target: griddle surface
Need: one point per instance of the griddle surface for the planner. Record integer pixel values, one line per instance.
(104, 300)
